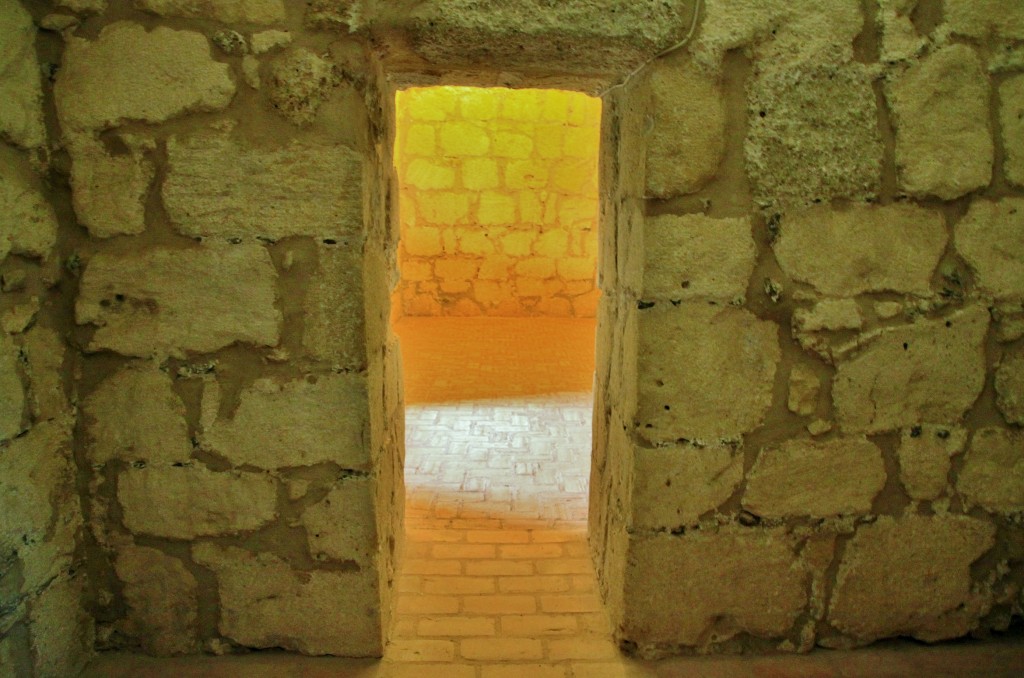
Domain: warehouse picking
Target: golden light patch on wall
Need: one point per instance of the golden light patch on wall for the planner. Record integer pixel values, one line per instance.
(498, 201)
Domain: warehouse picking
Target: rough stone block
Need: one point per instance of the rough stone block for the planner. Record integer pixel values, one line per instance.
(682, 590)
(479, 174)
(819, 479)
(705, 373)
(300, 82)
(828, 315)
(696, 257)
(61, 632)
(1001, 19)
(940, 109)
(813, 133)
(162, 602)
(804, 388)
(993, 472)
(924, 455)
(168, 301)
(443, 208)
(225, 11)
(931, 370)
(341, 525)
(911, 577)
(333, 329)
(134, 415)
(687, 143)
(990, 237)
(864, 248)
(21, 92)
(219, 187)
(673, 487)
(900, 39)
(109, 191)
(12, 403)
(123, 76)
(1010, 387)
(185, 502)
(296, 423)
(427, 175)
(1011, 120)
(264, 603)
(28, 224)
(44, 350)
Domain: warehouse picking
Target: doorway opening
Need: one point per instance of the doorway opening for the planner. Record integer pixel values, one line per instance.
(495, 310)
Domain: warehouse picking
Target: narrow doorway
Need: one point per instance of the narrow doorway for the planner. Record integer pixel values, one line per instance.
(495, 311)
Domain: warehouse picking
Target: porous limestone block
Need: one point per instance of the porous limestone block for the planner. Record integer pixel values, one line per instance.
(1010, 387)
(682, 590)
(443, 208)
(496, 209)
(696, 257)
(422, 241)
(134, 415)
(813, 133)
(456, 269)
(60, 631)
(900, 39)
(705, 373)
(44, 351)
(910, 576)
(28, 225)
(864, 248)
(479, 174)
(162, 601)
(168, 301)
(341, 526)
(940, 109)
(264, 603)
(993, 472)
(924, 455)
(225, 11)
(1011, 120)
(300, 82)
(674, 486)
(930, 370)
(804, 388)
(109, 191)
(84, 6)
(687, 142)
(1001, 19)
(124, 76)
(12, 402)
(990, 237)
(428, 175)
(828, 315)
(464, 138)
(185, 502)
(296, 423)
(334, 321)
(819, 479)
(21, 92)
(216, 186)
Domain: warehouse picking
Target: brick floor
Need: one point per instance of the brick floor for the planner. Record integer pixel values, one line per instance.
(496, 581)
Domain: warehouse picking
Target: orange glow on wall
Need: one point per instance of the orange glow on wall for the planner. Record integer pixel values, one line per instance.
(498, 201)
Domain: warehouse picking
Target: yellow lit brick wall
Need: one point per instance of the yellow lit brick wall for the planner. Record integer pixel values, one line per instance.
(498, 201)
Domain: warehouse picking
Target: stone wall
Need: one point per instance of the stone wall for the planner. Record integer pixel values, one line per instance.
(498, 201)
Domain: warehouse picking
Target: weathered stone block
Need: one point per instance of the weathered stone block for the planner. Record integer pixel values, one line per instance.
(98, 87)
(696, 257)
(990, 237)
(60, 631)
(900, 39)
(924, 455)
(1010, 387)
(12, 402)
(225, 11)
(705, 373)
(300, 82)
(134, 415)
(828, 315)
(673, 487)
(168, 301)
(28, 224)
(341, 526)
(683, 590)
(1002, 19)
(804, 387)
(265, 603)
(819, 479)
(185, 502)
(219, 187)
(334, 318)
(1011, 120)
(940, 109)
(993, 472)
(44, 350)
(864, 248)
(687, 143)
(910, 577)
(931, 370)
(163, 606)
(296, 423)
(21, 92)
(813, 133)
(109, 191)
